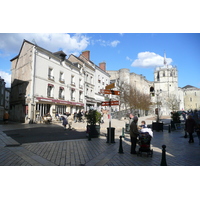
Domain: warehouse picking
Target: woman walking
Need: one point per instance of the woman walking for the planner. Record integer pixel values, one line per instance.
(189, 127)
(65, 122)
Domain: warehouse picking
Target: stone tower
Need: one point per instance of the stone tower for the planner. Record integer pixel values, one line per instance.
(166, 86)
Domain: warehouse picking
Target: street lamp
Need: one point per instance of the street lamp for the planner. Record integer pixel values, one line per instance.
(157, 94)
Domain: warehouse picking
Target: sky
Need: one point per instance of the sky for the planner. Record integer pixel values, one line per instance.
(141, 53)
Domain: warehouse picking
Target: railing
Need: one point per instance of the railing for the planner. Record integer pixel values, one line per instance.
(51, 77)
(61, 97)
(62, 80)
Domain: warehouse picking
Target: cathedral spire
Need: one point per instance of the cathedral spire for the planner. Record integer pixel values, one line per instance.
(165, 62)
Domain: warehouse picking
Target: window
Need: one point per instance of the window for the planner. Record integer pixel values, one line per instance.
(81, 96)
(190, 98)
(62, 80)
(158, 76)
(87, 78)
(73, 94)
(72, 80)
(50, 90)
(61, 93)
(50, 74)
(99, 79)
(80, 83)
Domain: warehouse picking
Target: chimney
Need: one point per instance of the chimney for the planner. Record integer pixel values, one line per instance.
(86, 54)
(102, 66)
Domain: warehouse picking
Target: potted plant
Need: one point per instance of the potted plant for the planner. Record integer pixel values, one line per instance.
(93, 123)
(175, 116)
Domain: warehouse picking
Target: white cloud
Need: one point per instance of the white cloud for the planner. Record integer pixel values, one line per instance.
(127, 58)
(114, 43)
(6, 77)
(149, 59)
(108, 43)
(11, 43)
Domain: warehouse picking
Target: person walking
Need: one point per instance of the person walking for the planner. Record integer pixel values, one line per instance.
(131, 117)
(65, 121)
(5, 117)
(189, 127)
(134, 134)
(198, 132)
(70, 119)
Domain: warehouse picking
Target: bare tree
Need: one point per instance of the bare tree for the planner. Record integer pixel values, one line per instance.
(172, 102)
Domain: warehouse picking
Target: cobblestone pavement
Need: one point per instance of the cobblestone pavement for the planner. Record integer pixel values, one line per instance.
(97, 152)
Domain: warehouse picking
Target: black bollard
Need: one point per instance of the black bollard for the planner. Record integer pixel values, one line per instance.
(169, 129)
(120, 145)
(163, 160)
(89, 136)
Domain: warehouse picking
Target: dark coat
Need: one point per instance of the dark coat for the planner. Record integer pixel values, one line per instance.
(134, 129)
(190, 125)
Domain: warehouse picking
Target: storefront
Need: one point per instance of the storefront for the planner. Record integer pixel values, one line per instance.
(53, 106)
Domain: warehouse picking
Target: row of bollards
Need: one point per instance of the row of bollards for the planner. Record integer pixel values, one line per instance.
(121, 151)
(163, 159)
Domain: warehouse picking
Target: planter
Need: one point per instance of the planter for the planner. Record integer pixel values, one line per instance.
(158, 126)
(93, 131)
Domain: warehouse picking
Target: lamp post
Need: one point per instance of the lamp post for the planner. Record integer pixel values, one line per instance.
(157, 94)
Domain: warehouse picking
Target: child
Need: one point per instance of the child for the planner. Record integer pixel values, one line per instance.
(143, 124)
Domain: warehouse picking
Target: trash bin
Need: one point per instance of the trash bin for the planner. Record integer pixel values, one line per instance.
(112, 135)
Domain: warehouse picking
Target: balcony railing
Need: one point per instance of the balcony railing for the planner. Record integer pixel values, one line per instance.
(73, 84)
(61, 97)
(62, 80)
(51, 77)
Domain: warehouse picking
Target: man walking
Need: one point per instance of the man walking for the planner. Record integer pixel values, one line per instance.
(134, 134)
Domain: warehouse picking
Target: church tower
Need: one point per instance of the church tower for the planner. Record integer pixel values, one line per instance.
(165, 85)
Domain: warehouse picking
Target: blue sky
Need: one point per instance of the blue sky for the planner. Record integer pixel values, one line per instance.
(139, 52)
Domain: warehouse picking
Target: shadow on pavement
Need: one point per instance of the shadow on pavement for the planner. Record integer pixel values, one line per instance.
(44, 134)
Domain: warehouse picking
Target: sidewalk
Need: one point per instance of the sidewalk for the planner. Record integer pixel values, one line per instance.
(97, 152)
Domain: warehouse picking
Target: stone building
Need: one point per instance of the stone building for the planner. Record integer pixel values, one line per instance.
(191, 97)
(95, 79)
(124, 76)
(45, 82)
(164, 91)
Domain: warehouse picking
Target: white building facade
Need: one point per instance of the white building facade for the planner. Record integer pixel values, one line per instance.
(44, 82)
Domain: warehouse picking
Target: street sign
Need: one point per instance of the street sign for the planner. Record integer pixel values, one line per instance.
(113, 92)
(110, 103)
(112, 85)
